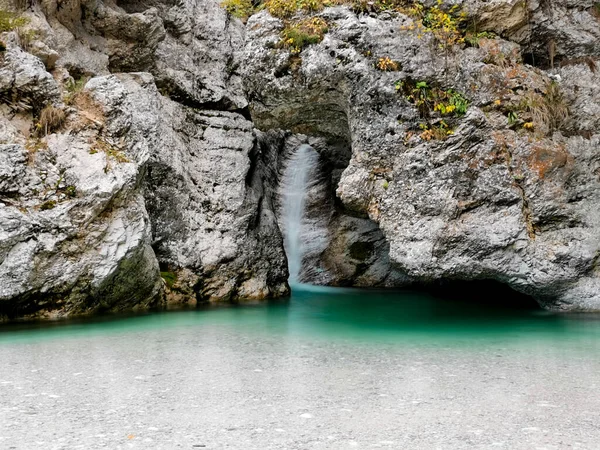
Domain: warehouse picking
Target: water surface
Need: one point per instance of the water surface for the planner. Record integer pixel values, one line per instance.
(328, 368)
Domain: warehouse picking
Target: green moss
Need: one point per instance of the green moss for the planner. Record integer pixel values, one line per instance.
(50, 204)
(71, 191)
(170, 278)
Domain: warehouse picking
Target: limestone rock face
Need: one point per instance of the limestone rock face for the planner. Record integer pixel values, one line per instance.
(488, 201)
(551, 33)
(209, 209)
(197, 62)
(190, 46)
(77, 236)
(169, 160)
(24, 80)
(74, 231)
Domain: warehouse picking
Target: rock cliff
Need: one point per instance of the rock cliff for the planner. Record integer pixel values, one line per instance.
(142, 144)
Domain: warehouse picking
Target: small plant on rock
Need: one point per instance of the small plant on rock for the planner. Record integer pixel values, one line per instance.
(242, 9)
(70, 191)
(445, 24)
(10, 21)
(473, 38)
(385, 64)
(367, 6)
(429, 99)
(439, 131)
(51, 119)
(26, 38)
(74, 86)
(546, 112)
(299, 34)
(50, 204)
(512, 117)
(439, 109)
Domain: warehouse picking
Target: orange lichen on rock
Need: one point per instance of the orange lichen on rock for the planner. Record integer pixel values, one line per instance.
(545, 159)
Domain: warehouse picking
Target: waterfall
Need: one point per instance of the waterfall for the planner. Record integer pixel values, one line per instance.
(295, 184)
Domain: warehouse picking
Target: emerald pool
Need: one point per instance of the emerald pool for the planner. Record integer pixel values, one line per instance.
(328, 368)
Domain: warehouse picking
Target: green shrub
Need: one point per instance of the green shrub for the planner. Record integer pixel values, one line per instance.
(10, 21)
(242, 9)
(429, 99)
(439, 108)
(50, 204)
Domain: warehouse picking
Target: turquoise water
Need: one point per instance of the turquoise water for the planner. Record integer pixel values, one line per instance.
(360, 316)
(326, 369)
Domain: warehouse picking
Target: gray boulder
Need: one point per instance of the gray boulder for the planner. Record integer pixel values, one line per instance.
(211, 212)
(74, 233)
(24, 81)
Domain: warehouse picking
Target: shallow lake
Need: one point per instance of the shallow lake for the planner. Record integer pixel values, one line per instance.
(325, 369)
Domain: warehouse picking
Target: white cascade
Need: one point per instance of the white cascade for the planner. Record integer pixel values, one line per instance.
(295, 184)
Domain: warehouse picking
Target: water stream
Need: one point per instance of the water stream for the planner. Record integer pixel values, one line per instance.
(295, 182)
